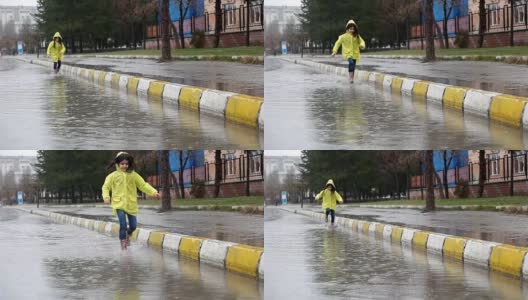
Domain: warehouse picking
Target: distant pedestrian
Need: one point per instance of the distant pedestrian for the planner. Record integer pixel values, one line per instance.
(124, 183)
(352, 43)
(330, 197)
(56, 50)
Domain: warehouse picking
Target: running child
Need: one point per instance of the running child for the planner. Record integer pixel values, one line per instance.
(330, 198)
(124, 183)
(352, 43)
(56, 50)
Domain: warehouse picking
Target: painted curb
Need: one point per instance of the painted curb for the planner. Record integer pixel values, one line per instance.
(233, 58)
(238, 108)
(494, 256)
(243, 259)
(503, 108)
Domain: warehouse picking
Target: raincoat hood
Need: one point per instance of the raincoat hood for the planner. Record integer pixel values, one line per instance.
(351, 22)
(57, 35)
(330, 182)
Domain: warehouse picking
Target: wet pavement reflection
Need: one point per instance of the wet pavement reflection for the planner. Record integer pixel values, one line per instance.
(305, 109)
(43, 260)
(219, 75)
(44, 111)
(309, 260)
(226, 226)
(484, 225)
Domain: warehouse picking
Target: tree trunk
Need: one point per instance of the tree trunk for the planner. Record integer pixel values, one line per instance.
(512, 41)
(482, 172)
(165, 38)
(180, 173)
(429, 32)
(218, 22)
(182, 34)
(429, 176)
(482, 22)
(165, 180)
(446, 169)
(218, 172)
(444, 23)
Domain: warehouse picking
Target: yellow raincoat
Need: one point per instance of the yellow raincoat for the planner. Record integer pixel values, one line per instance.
(56, 50)
(124, 186)
(329, 198)
(351, 45)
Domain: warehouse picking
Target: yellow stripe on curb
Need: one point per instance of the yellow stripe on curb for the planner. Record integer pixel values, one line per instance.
(507, 109)
(454, 97)
(397, 83)
(366, 76)
(91, 75)
(396, 234)
(454, 247)
(156, 88)
(134, 235)
(244, 109)
(244, 259)
(190, 97)
(91, 224)
(379, 229)
(420, 88)
(132, 84)
(365, 228)
(379, 79)
(420, 239)
(115, 230)
(101, 228)
(190, 247)
(355, 224)
(507, 259)
(156, 238)
(102, 77)
(115, 80)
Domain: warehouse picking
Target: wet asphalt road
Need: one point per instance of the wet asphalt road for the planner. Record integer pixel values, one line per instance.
(309, 260)
(309, 110)
(44, 260)
(226, 226)
(219, 75)
(44, 111)
(484, 225)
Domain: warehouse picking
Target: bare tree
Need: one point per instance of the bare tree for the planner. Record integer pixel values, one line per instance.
(429, 181)
(183, 8)
(165, 180)
(397, 12)
(165, 34)
(429, 32)
(218, 172)
(218, 22)
(447, 9)
(184, 159)
(482, 172)
(482, 22)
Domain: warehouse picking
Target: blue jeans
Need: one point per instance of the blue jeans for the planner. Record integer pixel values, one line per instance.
(132, 223)
(332, 213)
(351, 65)
(57, 65)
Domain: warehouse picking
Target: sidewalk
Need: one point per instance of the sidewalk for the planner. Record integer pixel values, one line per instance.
(237, 78)
(489, 76)
(484, 225)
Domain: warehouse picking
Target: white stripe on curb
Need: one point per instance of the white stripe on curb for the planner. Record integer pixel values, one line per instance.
(387, 232)
(214, 102)
(171, 92)
(407, 86)
(143, 235)
(478, 102)
(214, 252)
(435, 92)
(478, 252)
(435, 242)
(172, 242)
(407, 236)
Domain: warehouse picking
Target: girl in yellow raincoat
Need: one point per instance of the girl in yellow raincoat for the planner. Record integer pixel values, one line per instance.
(330, 198)
(124, 183)
(352, 43)
(56, 50)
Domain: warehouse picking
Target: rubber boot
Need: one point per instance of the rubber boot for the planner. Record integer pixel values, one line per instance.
(123, 245)
(127, 240)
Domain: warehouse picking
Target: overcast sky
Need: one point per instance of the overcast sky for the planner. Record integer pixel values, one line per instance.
(18, 152)
(19, 2)
(282, 2)
(282, 152)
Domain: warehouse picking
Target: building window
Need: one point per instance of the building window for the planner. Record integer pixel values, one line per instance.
(495, 14)
(519, 16)
(518, 163)
(255, 14)
(230, 14)
(230, 164)
(494, 162)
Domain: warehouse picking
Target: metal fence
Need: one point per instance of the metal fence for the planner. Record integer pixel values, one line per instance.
(498, 20)
(234, 20)
(498, 169)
